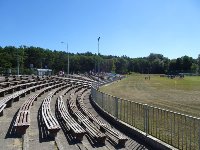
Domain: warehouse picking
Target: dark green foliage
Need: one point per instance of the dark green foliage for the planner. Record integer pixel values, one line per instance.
(85, 62)
(198, 61)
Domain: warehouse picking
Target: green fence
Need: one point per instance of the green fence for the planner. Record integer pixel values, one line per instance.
(179, 130)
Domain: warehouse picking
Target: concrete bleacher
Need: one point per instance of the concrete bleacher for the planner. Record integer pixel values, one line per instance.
(58, 106)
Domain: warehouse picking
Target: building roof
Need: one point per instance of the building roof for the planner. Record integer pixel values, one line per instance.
(44, 70)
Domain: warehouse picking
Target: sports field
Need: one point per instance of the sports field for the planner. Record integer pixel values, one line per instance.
(180, 95)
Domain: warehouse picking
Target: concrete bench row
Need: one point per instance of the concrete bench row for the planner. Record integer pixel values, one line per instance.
(112, 134)
(75, 128)
(22, 121)
(89, 121)
(80, 78)
(18, 87)
(49, 120)
(15, 81)
(7, 101)
(12, 89)
(76, 81)
(90, 128)
(23, 85)
(77, 131)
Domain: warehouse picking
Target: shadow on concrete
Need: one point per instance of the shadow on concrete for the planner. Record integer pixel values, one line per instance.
(12, 132)
(94, 143)
(114, 144)
(66, 130)
(43, 131)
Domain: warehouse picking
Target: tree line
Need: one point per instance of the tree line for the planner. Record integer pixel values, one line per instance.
(31, 57)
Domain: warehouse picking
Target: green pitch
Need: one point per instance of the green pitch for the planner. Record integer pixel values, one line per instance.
(178, 94)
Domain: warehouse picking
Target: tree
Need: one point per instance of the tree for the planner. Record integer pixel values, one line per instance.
(187, 63)
(198, 63)
(157, 66)
(179, 65)
(194, 68)
(113, 69)
(84, 62)
(121, 65)
(172, 66)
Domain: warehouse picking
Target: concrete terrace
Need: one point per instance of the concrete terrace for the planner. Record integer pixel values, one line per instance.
(36, 135)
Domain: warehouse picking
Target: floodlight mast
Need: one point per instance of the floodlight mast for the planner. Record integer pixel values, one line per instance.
(98, 62)
(17, 62)
(67, 58)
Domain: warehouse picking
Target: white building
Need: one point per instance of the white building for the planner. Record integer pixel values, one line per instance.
(42, 72)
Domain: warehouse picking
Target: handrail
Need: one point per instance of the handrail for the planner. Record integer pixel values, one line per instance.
(176, 129)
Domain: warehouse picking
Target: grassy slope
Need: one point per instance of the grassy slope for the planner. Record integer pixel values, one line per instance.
(181, 95)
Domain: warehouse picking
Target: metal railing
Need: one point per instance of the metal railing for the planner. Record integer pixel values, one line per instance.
(176, 129)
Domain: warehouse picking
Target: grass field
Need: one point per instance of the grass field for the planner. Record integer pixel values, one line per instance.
(180, 95)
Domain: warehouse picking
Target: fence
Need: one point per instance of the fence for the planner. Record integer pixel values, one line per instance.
(179, 130)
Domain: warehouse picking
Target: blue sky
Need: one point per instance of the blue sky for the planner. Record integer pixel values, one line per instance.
(134, 28)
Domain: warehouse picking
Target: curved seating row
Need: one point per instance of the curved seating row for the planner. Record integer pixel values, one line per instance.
(80, 78)
(90, 128)
(74, 127)
(49, 120)
(22, 121)
(22, 84)
(76, 116)
(18, 87)
(7, 83)
(112, 134)
(11, 89)
(7, 101)
(86, 83)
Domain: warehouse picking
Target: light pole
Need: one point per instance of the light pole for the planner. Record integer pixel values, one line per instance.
(67, 58)
(17, 62)
(98, 61)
